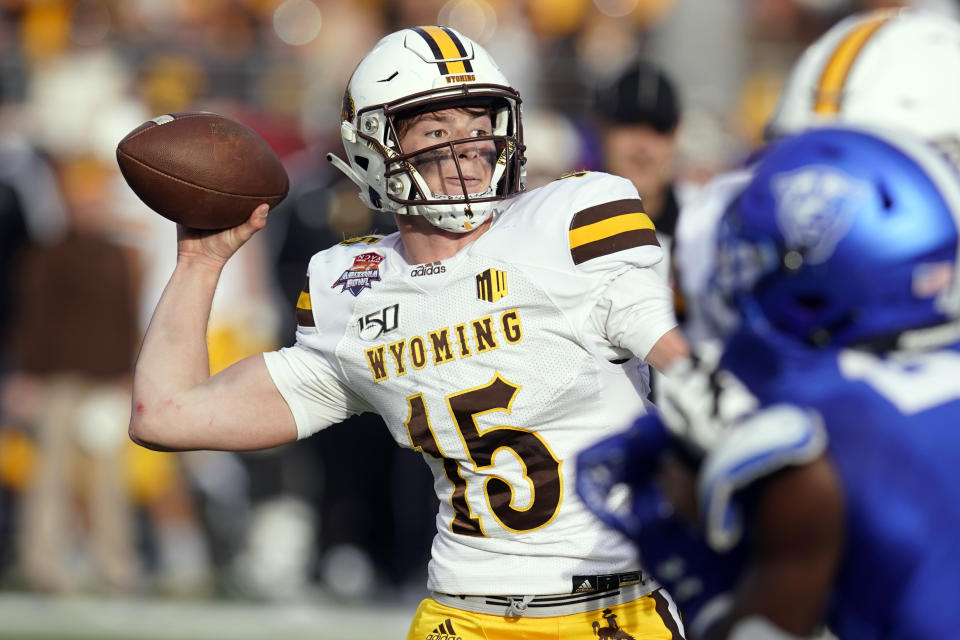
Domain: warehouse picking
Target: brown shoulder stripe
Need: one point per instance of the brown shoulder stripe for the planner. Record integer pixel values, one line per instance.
(304, 307)
(608, 228)
(606, 210)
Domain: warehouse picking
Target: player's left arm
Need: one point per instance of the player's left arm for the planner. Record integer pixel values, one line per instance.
(613, 240)
(668, 349)
(635, 315)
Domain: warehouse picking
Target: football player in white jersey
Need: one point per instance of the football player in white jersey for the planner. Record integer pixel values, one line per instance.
(888, 67)
(499, 332)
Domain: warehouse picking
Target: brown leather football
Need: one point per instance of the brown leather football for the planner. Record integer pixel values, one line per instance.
(201, 169)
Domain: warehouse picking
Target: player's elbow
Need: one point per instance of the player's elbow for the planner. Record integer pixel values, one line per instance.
(142, 434)
(148, 432)
(668, 349)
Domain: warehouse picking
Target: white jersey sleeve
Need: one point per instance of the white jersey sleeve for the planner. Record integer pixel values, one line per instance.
(609, 231)
(695, 249)
(634, 311)
(308, 375)
(612, 239)
(316, 396)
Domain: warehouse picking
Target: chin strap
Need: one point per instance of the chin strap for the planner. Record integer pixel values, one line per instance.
(349, 171)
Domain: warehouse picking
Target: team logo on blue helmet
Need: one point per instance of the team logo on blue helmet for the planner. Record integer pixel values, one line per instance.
(815, 208)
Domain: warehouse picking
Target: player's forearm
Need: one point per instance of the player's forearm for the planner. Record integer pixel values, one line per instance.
(173, 359)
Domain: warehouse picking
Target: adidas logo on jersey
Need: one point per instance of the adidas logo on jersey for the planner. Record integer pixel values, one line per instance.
(444, 632)
(428, 269)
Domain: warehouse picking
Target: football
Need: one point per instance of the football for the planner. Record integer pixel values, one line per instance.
(201, 169)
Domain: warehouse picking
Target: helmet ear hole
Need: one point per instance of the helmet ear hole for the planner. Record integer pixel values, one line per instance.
(812, 303)
(375, 198)
(885, 198)
(362, 162)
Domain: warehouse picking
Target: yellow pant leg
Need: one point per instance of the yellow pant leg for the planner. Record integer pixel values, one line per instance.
(646, 618)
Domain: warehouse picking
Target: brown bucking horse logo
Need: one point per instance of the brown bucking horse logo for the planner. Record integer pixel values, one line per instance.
(612, 631)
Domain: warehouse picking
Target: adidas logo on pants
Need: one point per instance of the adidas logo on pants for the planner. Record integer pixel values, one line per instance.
(443, 632)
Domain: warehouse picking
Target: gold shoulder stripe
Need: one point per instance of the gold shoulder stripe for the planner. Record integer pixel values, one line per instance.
(619, 242)
(304, 307)
(608, 228)
(829, 92)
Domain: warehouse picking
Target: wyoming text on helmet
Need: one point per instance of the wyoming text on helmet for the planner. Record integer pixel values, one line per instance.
(425, 69)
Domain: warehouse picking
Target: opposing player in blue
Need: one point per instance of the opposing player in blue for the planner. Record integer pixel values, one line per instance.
(810, 477)
(885, 67)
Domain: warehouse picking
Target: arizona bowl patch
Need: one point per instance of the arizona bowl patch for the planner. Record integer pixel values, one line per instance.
(365, 270)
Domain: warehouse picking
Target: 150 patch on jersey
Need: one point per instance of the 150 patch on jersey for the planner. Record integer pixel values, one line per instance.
(365, 270)
(373, 325)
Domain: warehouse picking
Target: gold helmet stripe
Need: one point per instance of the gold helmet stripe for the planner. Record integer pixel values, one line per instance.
(446, 46)
(829, 91)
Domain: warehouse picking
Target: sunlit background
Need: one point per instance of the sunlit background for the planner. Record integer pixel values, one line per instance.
(327, 538)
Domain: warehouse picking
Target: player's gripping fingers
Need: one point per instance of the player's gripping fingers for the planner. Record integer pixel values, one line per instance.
(254, 223)
(219, 246)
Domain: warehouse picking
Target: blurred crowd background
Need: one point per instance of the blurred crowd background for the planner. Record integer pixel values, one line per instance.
(82, 261)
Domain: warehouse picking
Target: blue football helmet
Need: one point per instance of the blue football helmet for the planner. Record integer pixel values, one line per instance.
(844, 236)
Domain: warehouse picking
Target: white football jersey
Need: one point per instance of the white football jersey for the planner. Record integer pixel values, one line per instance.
(485, 363)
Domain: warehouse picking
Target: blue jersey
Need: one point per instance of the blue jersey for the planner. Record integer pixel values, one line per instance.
(893, 426)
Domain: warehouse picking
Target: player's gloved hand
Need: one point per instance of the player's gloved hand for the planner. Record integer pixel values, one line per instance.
(698, 401)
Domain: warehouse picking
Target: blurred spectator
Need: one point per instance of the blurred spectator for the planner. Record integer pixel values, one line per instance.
(13, 237)
(74, 333)
(638, 117)
(31, 214)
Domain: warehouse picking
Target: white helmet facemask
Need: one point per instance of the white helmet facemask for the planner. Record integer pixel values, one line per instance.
(423, 70)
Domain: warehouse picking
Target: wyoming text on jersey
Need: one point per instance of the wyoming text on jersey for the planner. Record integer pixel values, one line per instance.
(474, 336)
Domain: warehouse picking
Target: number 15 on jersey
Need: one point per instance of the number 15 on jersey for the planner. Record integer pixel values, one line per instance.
(541, 469)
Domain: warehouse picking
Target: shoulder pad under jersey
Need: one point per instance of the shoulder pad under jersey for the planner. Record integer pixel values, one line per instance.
(597, 219)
